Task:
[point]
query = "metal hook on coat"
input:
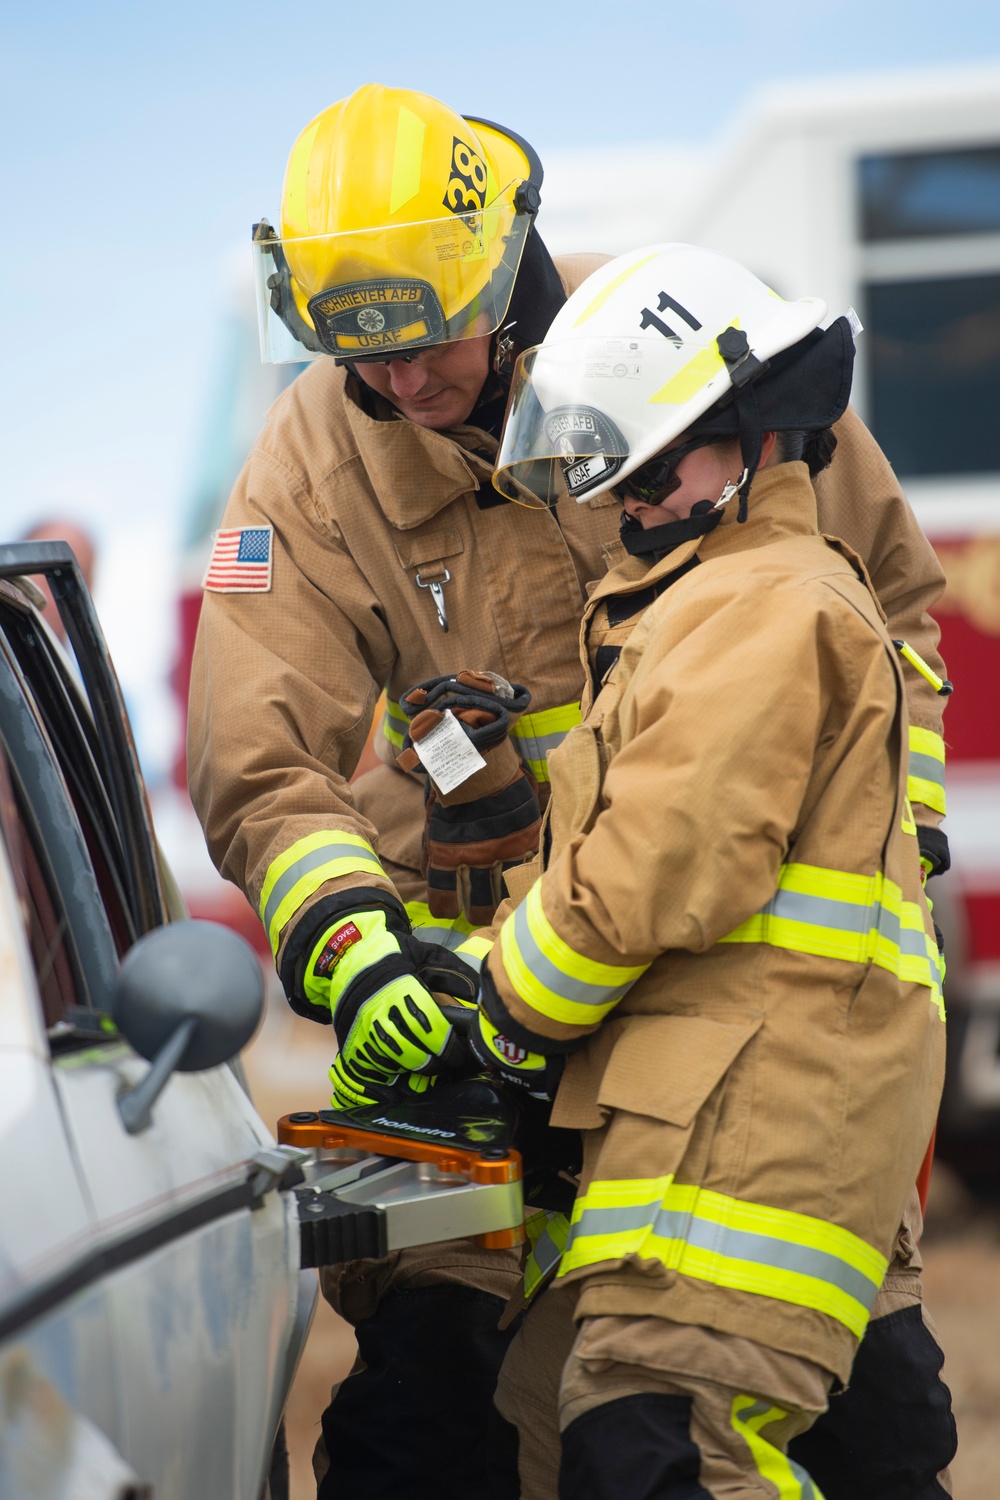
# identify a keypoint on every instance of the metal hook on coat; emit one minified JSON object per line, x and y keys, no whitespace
{"x":437,"y":594}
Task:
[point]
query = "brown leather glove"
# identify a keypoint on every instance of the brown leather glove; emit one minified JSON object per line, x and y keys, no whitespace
{"x":491,"y":821}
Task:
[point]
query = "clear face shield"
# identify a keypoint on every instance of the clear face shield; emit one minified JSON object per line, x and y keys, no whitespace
{"x":380,"y":293}
{"x":581,"y":407}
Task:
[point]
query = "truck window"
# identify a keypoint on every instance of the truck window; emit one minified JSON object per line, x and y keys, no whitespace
{"x":930,"y":192}
{"x":929,"y":252}
{"x":933,"y":349}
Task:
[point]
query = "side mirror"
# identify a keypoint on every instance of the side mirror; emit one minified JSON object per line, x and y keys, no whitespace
{"x":188,"y":996}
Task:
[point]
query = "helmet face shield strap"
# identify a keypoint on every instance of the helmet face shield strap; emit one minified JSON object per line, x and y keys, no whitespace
{"x":403,"y":226}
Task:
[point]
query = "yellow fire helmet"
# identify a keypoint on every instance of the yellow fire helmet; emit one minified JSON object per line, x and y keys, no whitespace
{"x":402,"y":226}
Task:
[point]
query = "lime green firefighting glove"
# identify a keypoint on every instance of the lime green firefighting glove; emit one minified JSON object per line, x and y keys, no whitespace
{"x":491,"y":819}
{"x":392,"y":1034}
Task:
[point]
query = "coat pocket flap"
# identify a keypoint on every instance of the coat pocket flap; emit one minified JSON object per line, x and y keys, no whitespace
{"x":666,"y":1066}
{"x":433,"y":546}
{"x":520,"y":878}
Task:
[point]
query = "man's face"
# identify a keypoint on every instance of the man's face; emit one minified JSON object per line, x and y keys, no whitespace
{"x":439,"y":387}
{"x":700,"y":475}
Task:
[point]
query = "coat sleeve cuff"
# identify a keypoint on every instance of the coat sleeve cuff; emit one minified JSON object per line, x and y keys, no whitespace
{"x":306,"y":933}
{"x":549,"y":988}
{"x":496,"y":1011}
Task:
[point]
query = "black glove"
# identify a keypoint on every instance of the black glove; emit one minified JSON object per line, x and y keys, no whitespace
{"x":539,"y":1076}
{"x":491,"y":821}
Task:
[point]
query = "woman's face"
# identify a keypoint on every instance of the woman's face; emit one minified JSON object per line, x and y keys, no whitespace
{"x":700,"y":475}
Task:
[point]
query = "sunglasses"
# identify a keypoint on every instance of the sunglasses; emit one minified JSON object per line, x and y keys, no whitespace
{"x":425,"y":356}
{"x":657,"y":478}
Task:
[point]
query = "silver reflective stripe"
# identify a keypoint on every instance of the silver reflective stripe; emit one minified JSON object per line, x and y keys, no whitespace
{"x":394,"y":719}
{"x":474,"y":960}
{"x":555,"y":979}
{"x":821,"y":911}
{"x":927,"y":768}
{"x":733,"y":1244}
{"x":312,"y":861}
{"x":847,"y":916}
{"x":537,"y":746}
{"x":450,"y":938}
{"x":914,"y":943}
{"x":546,"y":1253}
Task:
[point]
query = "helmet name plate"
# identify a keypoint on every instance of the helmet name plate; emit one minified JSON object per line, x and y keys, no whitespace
{"x":589,"y":446}
{"x":364,"y":316}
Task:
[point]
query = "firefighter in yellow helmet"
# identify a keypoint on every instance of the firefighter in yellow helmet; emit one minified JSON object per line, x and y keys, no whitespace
{"x":364,"y":549}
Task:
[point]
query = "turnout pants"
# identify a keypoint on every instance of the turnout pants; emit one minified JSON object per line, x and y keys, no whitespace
{"x":889,"y":1436}
{"x":415,"y":1416}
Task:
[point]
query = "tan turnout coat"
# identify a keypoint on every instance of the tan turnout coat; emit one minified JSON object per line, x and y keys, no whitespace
{"x":757,"y":1105}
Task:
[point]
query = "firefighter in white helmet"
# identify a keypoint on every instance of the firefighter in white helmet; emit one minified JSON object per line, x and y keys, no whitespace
{"x":364,"y":549}
{"x":728,"y":946}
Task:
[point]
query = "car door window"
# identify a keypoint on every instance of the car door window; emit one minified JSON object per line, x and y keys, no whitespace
{"x":68,"y":928}
{"x":44,"y":917}
{"x":60,"y":708}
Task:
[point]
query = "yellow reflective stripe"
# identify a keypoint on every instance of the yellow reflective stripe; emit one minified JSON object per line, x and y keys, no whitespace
{"x":748,"y":1416}
{"x":927,"y":793}
{"x":394,"y":723}
{"x":407,"y":158}
{"x":908,"y":825}
{"x":475,"y":951}
{"x":854,"y":918}
{"x":749,"y":1247}
{"x":455,"y":933}
{"x":693,"y":376}
{"x":536,"y":735}
{"x":612,"y":287}
{"x":925,"y":782}
{"x":300,"y":871}
{"x":547,"y":1234}
{"x":448,"y":931}
{"x":551,"y":977}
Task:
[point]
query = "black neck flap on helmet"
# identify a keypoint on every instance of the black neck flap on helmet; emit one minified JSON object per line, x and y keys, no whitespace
{"x":537,"y":296}
{"x":805,"y":388}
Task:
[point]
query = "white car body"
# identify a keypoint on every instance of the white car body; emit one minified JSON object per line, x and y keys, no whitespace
{"x":152,"y":1309}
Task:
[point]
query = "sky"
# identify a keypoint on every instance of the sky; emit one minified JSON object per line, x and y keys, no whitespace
{"x":139,"y":143}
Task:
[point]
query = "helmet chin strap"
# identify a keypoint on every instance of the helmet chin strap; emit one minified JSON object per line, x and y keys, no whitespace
{"x":732,"y":487}
{"x":744,"y":369}
{"x":654,"y":542}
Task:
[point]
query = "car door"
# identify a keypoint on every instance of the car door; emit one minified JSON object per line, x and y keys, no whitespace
{"x":199,"y":1289}
{"x":57,"y":1424}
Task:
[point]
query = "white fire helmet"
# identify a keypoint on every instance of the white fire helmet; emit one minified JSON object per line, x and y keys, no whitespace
{"x":631,"y":360}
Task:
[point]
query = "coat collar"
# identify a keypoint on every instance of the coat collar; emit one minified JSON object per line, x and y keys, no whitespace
{"x":782,"y":504}
{"x":401,"y":457}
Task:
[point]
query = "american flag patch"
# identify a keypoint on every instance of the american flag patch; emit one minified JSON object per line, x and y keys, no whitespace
{"x":240,"y":561}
